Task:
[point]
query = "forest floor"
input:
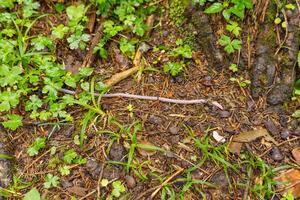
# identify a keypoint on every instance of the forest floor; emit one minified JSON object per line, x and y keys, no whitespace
{"x":62,"y":138}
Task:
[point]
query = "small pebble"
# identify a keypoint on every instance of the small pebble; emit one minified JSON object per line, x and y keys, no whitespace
{"x":207,"y":81}
{"x":93,"y":167}
{"x":289,"y":13}
{"x":230,"y":130}
{"x":285,"y":134}
{"x":293,"y":124}
{"x":130,"y":181}
{"x":224,"y":114}
{"x":297,"y":131}
{"x":151,"y":79}
{"x":181,"y":94}
{"x":117,"y":151}
{"x":69,"y":131}
{"x":197,"y":174}
{"x":174,"y":130}
{"x":165,"y":33}
{"x":271,"y":127}
{"x":190,"y":123}
{"x":283,"y":120}
{"x":220,"y":179}
{"x":174,"y":139}
{"x":179,"y":183}
{"x":250,"y":105}
{"x":66,"y":184}
{"x":177,"y":79}
{"x":276,"y":154}
{"x":155,"y":120}
{"x":105,"y":106}
{"x":144,"y":47}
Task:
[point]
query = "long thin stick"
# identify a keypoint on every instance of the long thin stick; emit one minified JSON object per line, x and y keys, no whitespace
{"x":150,"y":98}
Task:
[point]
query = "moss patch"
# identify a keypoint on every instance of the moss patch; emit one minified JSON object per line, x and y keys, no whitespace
{"x":177,"y":9}
{"x":269,"y":38}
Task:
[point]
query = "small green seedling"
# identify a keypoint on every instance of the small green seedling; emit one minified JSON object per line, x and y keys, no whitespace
{"x":182,"y":50}
{"x":127,"y":47}
{"x":51,"y":181}
{"x":236,"y":7}
{"x":78,"y":40}
{"x":36,"y":146}
{"x":234,"y":28}
{"x":230,"y":45}
{"x":64,"y":170}
{"x":59,"y":31}
{"x":76,"y":14}
{"x":233,"y":67}
{"x":30,"y":8}
{"x":290,"y":6}
{"x":297,"y":88}
{"x":59,"y":7}
{"x":71,"y":157}
{"x":13,"y":121}
{"x":296,"y":114}
{"x":243,"y":83}
{"x":173,"y":68}
{"x":284,"y":24}
{"x":41,"y":42}
{"x":118,"y":188}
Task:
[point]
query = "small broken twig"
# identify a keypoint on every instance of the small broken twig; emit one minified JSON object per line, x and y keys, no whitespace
{"x":151,"y":98}
{"x":89,"y":58}
{"x":120,"y":76}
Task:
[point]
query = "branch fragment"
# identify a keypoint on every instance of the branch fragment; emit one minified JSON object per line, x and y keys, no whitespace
{"x":152,"y":98}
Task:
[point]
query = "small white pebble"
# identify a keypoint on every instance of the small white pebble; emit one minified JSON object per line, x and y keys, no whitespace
{"x":218,"y":137}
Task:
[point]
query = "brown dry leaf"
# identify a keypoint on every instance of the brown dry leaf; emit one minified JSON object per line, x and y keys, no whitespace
{"x":237,"y":141}
{"x":296,"y":154}
{"x":79,"y":191}
{"x":235,"y":147}
{"x":291,"y":180}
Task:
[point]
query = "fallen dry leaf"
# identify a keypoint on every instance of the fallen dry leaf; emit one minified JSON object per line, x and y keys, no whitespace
{"x":79,"y":191}
{"x":291,"y":182}
{"x":235,"y":145}
{"x":296,"y":154}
